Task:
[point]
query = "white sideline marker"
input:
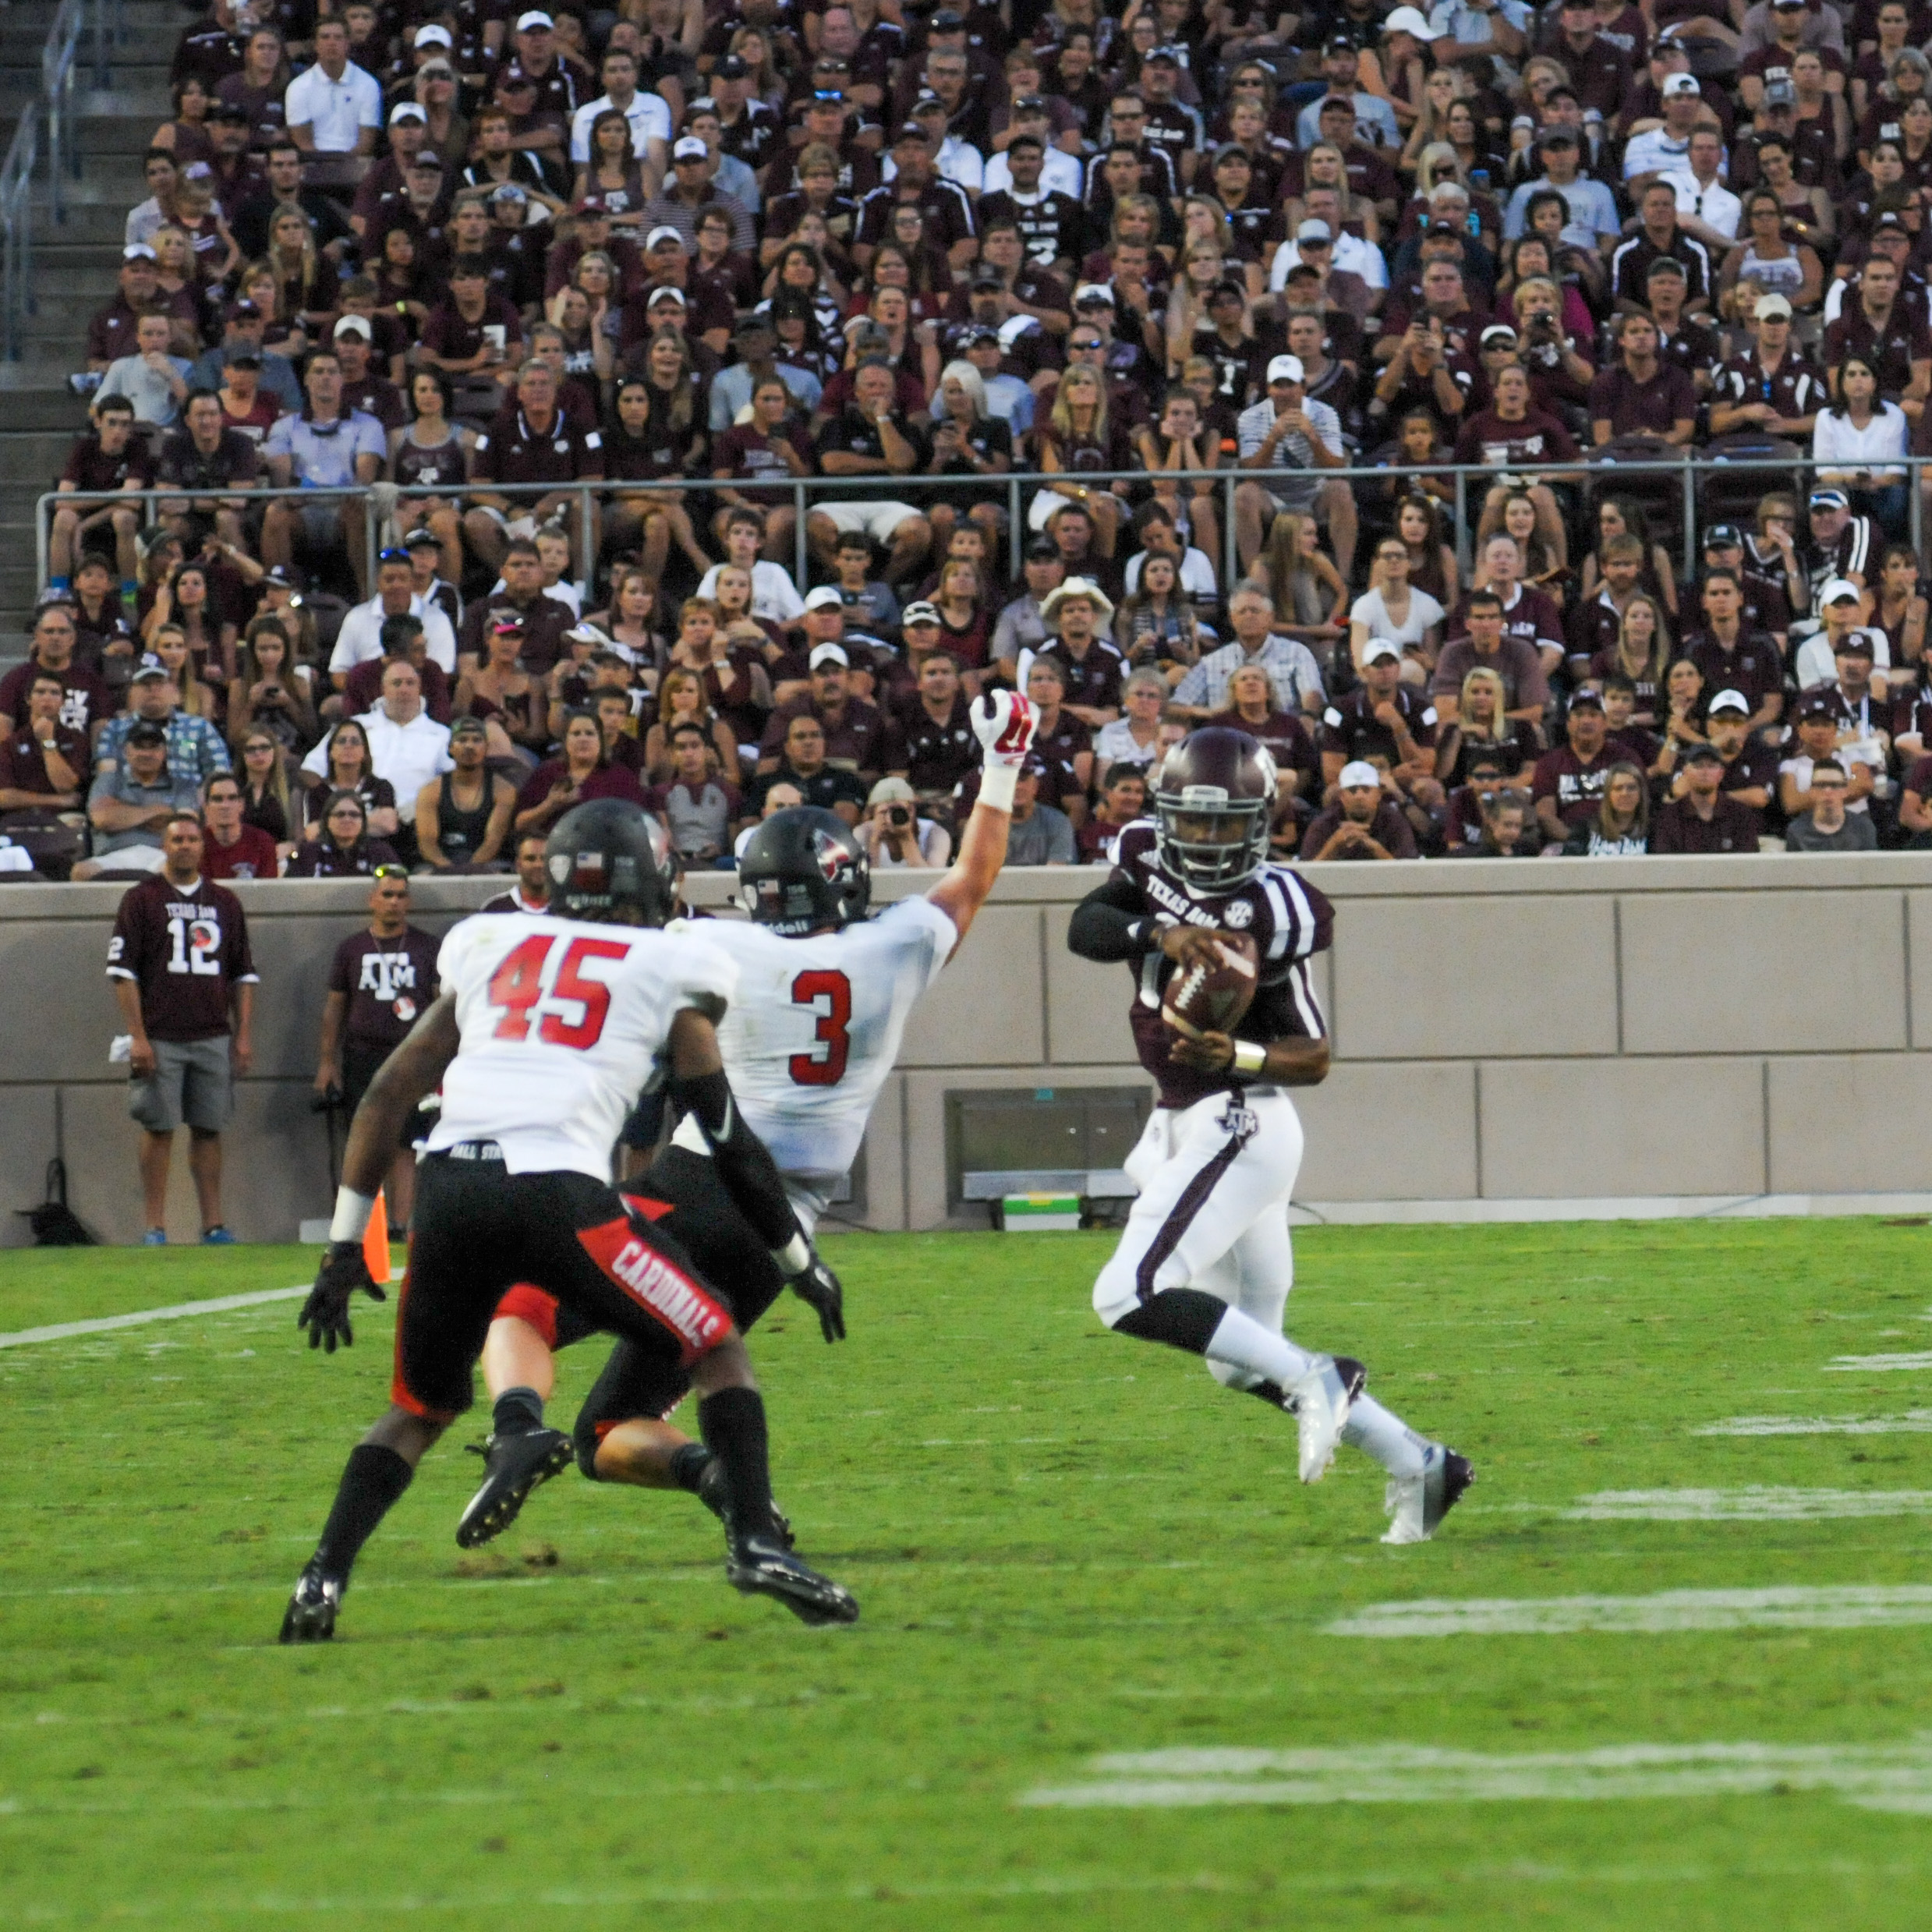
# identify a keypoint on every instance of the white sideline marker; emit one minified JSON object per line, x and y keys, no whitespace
{"x":1913,"y":1422}
{"x":1878,"y":1365}
{"x":1881,"y":1776}
{"x":221,"y":1304}
{"x":1752,"y":1505}
{"x":1784,"y":1606}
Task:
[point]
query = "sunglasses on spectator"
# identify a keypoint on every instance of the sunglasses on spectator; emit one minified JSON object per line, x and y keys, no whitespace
{"x":346,"y":811}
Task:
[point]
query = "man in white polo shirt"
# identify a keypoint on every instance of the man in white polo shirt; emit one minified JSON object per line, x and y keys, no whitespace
{"x":360,"y":637}
{"x":406,"y":746}
{"x":333,"y":109}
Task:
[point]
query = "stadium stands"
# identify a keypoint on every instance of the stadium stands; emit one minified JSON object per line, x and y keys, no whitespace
{"x":1564,"y":407}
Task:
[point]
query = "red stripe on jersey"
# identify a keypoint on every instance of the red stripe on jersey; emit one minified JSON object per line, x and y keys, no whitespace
{"x":656,"y":1284}
{"x":528,"y":1303}
{"x":400,"y":1392}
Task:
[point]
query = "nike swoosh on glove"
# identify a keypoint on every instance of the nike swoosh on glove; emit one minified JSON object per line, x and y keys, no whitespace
{"x":1004,"y":722}
{"x":817,"y":1285}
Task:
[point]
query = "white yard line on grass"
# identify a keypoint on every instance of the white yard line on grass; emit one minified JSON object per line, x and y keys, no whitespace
{"x":1747,"y":1505}
{"x":1889,"y":1776}
{"x":1913,"y":1422}
{"x":1784,"y":1606}
{"x":1878,"y":1365}
{"x":221,"y":1304}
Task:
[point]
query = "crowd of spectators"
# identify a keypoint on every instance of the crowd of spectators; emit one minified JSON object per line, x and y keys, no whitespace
{"x":722,"y":246}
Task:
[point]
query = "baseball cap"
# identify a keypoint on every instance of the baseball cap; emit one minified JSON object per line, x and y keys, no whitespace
{"x":1027,"y":103}
{"x":1684,"y":83}
{"x":1722,"y":536}
{"x":248,"y":359}
{"x":1378,"y":648}
{"x":1042,"y":549}
{"x":829,"y":653}
{"x":688,"y":147}
{"x":1314,"y":230}
{"x":428,"y":158}
{"x":407,"y":110}
{"x":1585,"y":698}
{"x":731,"y":68}
{"x":1358,"y":771}
{"x":505,"y":622}
{"x":891,"y":792}
{"x":1496,"y":332}
{"x":1853,"y":644}
{"x":422,"y":538}
{"x":1667,"y":267}
{"x":1890,"y":219}
{"x":926,"y":98}
{"x":536,"y":21}
{"x":1771,"y":307}
{"x":432,"y":36}
{"x":466,"y":726}
{"x":1409,"y":20}
{"x":138,"y":252}
{"x":228,"y":111}
{"x":922,"y":612}
{"x":147,"y":731}
{"x":664,"y":232}
{"x":354,"y":325}
{"x":825,"y":598}
{"x":1285,"y":368}
{"x":1816,"y":705}
{"x":1837,"y":589}
{"x":1093,"y":294}
{"x":985,"y":276}
{"x":1564,"y":137}
{"x":147,"y":674}
{"x":1704,"y":754}
{"x":1729,"y":701}
{"x":669,"y":292}
{"x":508,"y":191}
{"x":1828,"y":500}
{"x":1779,"y":93}
{"x":242,"y":311}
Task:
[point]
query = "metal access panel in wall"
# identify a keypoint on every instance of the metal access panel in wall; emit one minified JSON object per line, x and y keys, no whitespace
{"x":1009,"y":1140}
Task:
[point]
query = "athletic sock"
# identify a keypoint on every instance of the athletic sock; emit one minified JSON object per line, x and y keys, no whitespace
{"x":1203,"y":1324}
{"x":1374,"y":1430}
{"x":1241,"y":1341}
{"x":517,"y":1412}
{"x":732,"y":1422}
{"x":374,"y":1477}
{"x":688,"y":1462}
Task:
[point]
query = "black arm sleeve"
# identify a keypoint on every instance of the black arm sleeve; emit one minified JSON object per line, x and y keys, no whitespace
{"x":744,"y":1162}
{"x":1111,"y":923}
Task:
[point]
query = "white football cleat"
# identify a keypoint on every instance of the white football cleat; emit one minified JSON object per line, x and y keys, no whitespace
{"x":1320,"y":1402}
{"x":1416,"y":1504}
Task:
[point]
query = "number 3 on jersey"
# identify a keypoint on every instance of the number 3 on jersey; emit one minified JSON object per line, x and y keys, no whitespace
{"x":517,"y":986}
{"x":829,"y":994}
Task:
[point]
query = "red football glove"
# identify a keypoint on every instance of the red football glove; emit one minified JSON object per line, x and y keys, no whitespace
{"x":1004,"y":722}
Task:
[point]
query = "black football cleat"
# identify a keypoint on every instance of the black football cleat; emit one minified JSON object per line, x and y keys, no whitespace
{"x":517,"y":1464}
{"x":310,"y":1617}
{"x":1416,"y":1504}
{"x":715,"y":1494}
{"x":761,"y":1566}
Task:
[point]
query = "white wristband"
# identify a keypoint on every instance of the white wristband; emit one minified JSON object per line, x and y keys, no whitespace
{"x":1248,"y":1057}
{"x":351,"y":1215}
{"x":794,"y":1257}
{"x":996,"y":786}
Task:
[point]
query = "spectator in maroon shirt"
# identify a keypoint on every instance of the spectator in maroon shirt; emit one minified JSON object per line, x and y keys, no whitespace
{"x":232,"y":849}
{"x":109,"y":457}
{"x":111,"y":333}
{"x":534,"y":444}
{"x":1638,"y":396}
{"x":185,"y":982}
{"x":1733,"y":658}
{"x":1706,"y":818}
{"x":1361,"y":823}
{"x":584,"y":771}
{"x":932,"y":746}
{"x":43,"y":773}
{"x":88,"y":704}
{"x":1122,"y":799}
{"x":1878,"y":326}
{"x":1568,"y":781}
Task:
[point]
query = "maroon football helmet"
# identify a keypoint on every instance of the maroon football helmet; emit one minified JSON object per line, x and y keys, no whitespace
{"x":1212,"y":810}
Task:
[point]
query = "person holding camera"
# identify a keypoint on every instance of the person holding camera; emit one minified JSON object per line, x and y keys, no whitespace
{"x":379,"y":981}
{"x":1420,"y":376}
{"x":893,"y":834}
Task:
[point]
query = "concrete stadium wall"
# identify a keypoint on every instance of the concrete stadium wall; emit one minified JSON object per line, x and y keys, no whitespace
{"x":1650,"y":1035}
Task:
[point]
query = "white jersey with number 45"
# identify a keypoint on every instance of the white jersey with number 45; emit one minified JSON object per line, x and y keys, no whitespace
{"x":563,"y":1024}
{"x":813,"y":1031}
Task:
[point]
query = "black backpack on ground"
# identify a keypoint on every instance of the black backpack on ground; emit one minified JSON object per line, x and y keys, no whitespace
{"x":54,"y":1224}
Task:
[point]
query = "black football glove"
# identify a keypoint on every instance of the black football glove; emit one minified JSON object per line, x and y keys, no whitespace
{"x":816,"y":1283}
{"x":325,"y":1313}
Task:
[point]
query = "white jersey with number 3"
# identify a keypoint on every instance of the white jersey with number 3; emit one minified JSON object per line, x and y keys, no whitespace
{"x":815,"y":1028}
{"x":563,"y":1024}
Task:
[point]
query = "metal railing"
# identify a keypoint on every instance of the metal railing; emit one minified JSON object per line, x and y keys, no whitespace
{"x":57,"y":89}
{"x":17,"y":299}
{"x":1018,"y":487}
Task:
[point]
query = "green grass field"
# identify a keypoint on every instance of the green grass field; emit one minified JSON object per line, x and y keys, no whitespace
{"x":1067,"y":1545}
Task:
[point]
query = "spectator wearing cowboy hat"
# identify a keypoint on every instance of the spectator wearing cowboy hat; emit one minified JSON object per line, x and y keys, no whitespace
{"x":1092,"y":665}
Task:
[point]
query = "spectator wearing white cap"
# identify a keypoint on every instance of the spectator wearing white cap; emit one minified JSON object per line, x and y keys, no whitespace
{"x":1363,"y":823}
{"x":1284,"y":431}
{"x":1354,"y":273}
{"x":893,"y":834}
{"x":855,"y":736}
{"x":1841,"y":610}
{"x":333,"y":109}
{"x":1665,"y":145}
{"x":1770,"y":387}
{"x":648,"y":114}
{"x":689,"y":192}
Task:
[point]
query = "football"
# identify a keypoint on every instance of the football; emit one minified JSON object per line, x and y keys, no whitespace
{"x":1212,"y":999}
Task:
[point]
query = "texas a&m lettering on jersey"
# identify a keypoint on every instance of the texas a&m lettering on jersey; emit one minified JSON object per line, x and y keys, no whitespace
{"x":1290,"y":921}
{"x":186,"y":947}
{"x":388,"y":983}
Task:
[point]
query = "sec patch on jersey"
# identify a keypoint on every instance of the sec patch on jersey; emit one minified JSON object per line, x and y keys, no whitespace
{"x":1212,"y":999}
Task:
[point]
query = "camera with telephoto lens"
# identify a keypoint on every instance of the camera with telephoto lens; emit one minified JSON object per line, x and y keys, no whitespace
{"x":898,"y":817}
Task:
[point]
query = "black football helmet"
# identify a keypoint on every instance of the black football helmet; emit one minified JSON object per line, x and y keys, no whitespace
{"x":608,"y":854}
{"x":1212,"y":810}
{"x":802,"y":870}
